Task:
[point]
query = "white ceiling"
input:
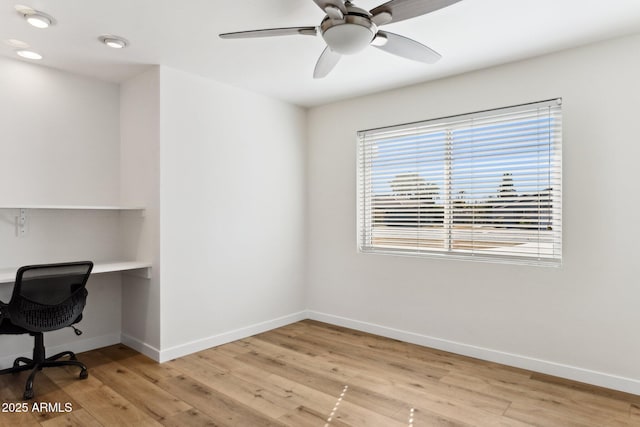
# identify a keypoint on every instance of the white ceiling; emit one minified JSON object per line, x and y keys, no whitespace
{"x":183,"y":34}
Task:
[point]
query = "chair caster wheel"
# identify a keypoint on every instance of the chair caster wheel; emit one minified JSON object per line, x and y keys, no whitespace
{"x":28,"y":394}
{"x":83,"y":374}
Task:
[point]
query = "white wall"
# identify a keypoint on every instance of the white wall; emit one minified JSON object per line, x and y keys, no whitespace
{"x":60,"y":145}
{"x":58,"y":129}
{"x":232,"y":183}
{"x":578,"y":321}
{"x":140,"y":186}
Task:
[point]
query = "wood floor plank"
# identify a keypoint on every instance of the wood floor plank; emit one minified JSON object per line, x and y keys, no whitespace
{"x":634,"y":415}
{"x":11,"y":390}
{"x":218,"y":360}
{"x":263,"y":400}
{"x":11,"y":416}
{"x":315,"y":401}
{"x":150,"y":369}
{"x":48,"y":393}
{"x":222,"y":409}
{"x":362,"y":387}
{"x":425,"y":418}
{"x":101,"y":401}
{"x":93,"y":358}
{"x":199,"y":363}
{"x":454,"y":410}
{"x":18,"y":419}
{"x":411,"y":378}
{"x":385,"y":347}
{"x":357,"y":416}
{"x":77,"y":418}
{"x":111,"y":409}
{"x":190,"y":418}
{"x":386,"y":360}
{"x":587,"y":388}
{"x":552,"y":415}
{"x":588,"y":408}
{"x":320,"y":380}
{"x":307,"y":417}
{"x":143,"y":394}
{"x":118,"y":352}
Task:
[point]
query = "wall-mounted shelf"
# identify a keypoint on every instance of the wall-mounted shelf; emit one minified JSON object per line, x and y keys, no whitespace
{"x":138,"y":268}
{"x":22,"y":218}
{"x":74,"y":207}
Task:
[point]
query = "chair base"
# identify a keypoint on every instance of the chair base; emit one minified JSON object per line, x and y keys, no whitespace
{"x":39,"y":362}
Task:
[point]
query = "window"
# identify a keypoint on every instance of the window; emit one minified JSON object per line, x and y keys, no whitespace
{"x":483,"y":186}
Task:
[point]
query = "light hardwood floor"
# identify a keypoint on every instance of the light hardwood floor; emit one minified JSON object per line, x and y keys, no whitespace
{"x":306,"y":374}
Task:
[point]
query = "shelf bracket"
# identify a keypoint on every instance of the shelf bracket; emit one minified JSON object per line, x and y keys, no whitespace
{"x":21,"y":223}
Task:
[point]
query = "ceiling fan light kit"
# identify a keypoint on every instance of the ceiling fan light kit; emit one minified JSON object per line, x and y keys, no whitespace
{"x":348,"y":29}
{"x":348,"y":36}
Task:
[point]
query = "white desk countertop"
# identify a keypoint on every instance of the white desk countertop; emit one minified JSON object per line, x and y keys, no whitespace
{"x":8,"y":275}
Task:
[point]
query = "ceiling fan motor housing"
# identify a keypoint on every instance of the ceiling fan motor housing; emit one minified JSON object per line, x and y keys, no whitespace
{"x":351,"y":34}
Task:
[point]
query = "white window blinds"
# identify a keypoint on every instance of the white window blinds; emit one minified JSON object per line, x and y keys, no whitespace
{"x":483,"y":186}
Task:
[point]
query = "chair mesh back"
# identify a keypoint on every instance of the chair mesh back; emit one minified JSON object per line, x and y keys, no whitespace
{"x":48,"y":297}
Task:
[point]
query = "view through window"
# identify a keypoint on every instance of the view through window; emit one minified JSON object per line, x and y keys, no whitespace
{"x":485,"y":186}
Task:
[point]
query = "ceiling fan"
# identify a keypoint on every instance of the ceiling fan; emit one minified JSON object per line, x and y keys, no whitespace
{"x":348,"y":29}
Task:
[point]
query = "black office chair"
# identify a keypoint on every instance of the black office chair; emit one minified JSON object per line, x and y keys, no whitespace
{"x":45,"y":297}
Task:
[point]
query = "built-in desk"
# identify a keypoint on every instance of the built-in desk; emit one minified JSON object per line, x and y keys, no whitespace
{"x":139,"y":268}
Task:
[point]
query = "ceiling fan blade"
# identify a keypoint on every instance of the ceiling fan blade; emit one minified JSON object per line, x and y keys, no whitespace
{"x":405,"y":47}
{"x":405,"y":9}
{"x":326,"y":63}
{"x":271,"y":32}
{"x":322,"y":4}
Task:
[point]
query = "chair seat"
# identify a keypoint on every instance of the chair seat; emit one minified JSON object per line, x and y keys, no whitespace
{"x":6,"y":327}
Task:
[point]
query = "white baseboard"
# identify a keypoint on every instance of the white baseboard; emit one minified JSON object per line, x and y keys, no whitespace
{"x":227,"y":337}
{"x":140,"y":346}
{"x":628,"y":385}
{"x":77,"y":346}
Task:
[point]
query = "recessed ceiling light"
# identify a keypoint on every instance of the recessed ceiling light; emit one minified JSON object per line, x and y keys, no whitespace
{"x":38,"y":21}
{"x":29,"y":54}
{"x":115,"y":42}
{"x":17,"y":43}
{"x":35,"y":17}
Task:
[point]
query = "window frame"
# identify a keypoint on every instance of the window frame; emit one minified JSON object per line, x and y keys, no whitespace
{"x":365,"y":228}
